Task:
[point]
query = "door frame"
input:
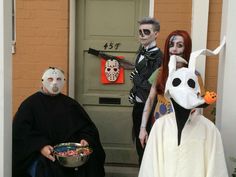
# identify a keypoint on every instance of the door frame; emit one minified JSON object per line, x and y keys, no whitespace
{"x":72,"y":40}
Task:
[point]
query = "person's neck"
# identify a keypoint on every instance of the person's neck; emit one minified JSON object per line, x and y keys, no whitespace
{"x":152,"y":44}
{"x":45,"y":92}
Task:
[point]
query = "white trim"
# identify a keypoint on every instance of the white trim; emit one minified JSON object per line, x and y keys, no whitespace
{"x":221,"y":65}
{"x":151,"y":8}
{"x":5,"y":87}
{"x":200,"y":11}
{"x":13,"y":27}
{"x":71,"y":83}
{"x":225,"y":110}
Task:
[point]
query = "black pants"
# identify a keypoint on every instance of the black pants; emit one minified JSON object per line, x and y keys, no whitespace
{"x":137,"y":120}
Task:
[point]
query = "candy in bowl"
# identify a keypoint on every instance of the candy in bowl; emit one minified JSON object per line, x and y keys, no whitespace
{"x":71,"y":154}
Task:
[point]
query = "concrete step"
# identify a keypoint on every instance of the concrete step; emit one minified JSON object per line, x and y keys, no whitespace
{"x":121,"y":171}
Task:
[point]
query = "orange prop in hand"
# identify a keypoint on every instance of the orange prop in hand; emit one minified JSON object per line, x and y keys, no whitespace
{"x":210,"y":97}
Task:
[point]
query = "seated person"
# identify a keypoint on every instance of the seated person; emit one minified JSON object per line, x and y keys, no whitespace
{"x":46,"y":119}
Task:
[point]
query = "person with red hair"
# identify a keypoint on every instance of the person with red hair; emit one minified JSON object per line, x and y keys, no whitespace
{"x":177,"y":43}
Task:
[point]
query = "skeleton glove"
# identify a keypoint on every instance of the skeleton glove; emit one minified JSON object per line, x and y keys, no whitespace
{"x":133,"y":74}
{"x":131,"y":98}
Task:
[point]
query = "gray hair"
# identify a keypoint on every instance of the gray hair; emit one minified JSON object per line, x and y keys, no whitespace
{"x":149,"y":20}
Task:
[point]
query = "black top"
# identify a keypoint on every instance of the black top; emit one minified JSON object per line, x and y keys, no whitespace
{"x":49,"y":120}
{"x":152,"y":60}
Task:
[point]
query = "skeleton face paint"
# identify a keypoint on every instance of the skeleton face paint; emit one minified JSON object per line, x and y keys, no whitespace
{"x":146,"y":34}
{"x":176,"y":45}
{"x":112,"y":70}
{"x":53,"y":80}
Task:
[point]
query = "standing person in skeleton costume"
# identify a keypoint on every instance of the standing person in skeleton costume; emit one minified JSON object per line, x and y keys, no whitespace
{"x":184,"y":143}
{"x":147,"y":61}
{"x":46,"y":119}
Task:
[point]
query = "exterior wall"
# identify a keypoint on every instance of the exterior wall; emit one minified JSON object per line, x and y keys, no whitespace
{"x":5,"y":88}
{"x":172,"y":15}
{"x":41,"y":41}
{"x":226,"y":112}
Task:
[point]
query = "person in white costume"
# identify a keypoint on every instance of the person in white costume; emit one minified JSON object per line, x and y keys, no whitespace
{"x":184,"y":143}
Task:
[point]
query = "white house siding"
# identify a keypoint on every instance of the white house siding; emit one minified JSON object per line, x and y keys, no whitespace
{"x":5,"y":88}
{"x":226,"y":109}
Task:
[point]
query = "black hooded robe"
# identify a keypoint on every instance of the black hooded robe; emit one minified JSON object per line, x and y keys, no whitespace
{"x":49,"y":120}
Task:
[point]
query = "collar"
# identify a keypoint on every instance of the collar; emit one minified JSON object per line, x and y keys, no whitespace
{"x":151,"y":46}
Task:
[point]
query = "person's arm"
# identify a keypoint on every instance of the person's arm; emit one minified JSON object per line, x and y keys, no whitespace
{"x":46,"y":151}
{"x":143,"y":135}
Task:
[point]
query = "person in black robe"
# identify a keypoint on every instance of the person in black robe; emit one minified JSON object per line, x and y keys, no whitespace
{"x":46,"y":119}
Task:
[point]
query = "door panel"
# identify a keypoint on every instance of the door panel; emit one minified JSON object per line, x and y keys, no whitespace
{"x":111,"y":22}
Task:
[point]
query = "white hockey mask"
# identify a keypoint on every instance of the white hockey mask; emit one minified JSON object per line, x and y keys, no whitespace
{"x":53,"y":80}
{"x":182,"y":84}
{"x":112,"y":70}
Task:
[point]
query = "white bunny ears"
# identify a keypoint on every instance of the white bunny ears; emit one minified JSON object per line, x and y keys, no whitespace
{"x":182,"y":84}
{"x":207,"y":52}
{"x":193,"y":57}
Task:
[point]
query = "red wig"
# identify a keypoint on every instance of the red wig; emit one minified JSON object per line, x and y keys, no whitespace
{"x":161,"y":79}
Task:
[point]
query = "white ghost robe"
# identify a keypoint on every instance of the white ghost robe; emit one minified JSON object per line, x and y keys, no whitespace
{"x":200,"y":153}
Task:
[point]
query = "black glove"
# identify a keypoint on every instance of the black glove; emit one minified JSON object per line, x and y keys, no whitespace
{"x":131,"y":98}
{"x":133,"y":74}
{"x":137,"y":80}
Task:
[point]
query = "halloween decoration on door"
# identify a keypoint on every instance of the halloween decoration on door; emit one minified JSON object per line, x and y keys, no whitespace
{"x":112,"y":67}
